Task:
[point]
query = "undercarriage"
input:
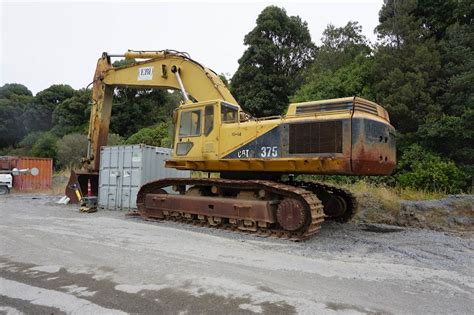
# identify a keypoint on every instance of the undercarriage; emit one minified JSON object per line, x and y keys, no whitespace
{"x":294,"y":210}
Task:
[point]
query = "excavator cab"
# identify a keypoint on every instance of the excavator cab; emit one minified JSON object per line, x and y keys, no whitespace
{"x":198,"y":129}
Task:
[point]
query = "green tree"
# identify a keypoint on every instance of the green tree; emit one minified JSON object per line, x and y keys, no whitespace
{"x":224,"y":79}
{"x":340,"y":46}
{"x":452,"y":136}
{"x":14,"y":91}
{"x":29,"y":140}
{"x":353,"y":79}
{"x":70,"y":149}
{"x":421,"y":169}
{"x":45,"y":146}
{"x":14,"y":99}
{"x":115,"y":139}
{"x":72,"y":114}
{"x":271,"y":69}
{"x":406,"y":66}
{"x":457,"y":53}
{"x":342,"y":66}
{"x":157,"y":136}
{"x":423,"y":73}
{"x":39,"y":114}
{"x":134,"y":109}
{"x":438,"y":15}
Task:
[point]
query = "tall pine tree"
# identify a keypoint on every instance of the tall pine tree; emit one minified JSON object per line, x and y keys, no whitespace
{"x":270,"y":70}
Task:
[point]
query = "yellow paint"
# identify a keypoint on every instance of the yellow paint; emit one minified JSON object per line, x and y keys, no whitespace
{"x":289,"y":165}
{"x":210,"y":146}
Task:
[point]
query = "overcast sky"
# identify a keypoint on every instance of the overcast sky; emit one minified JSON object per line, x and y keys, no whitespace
{"x":45,"y":43}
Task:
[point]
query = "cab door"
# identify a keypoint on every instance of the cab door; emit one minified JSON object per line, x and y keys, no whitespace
{"x":189,"y":136}
{"x":210,"y":147}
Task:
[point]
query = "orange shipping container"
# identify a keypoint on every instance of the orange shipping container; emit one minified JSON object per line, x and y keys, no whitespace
{"x":42,"y":181}
{"x":7,"y":163}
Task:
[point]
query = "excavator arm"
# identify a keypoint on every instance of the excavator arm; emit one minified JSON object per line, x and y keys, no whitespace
{"x":154,"y":69}
{"x":159,"y":69}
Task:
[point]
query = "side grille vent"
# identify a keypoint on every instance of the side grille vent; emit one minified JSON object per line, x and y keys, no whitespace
{"x":315,"y":108}
{"x":316,"y":137}
{"x":318,"y":108}
{"x":368,"y":108}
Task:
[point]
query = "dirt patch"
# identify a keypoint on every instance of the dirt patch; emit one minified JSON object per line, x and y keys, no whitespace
{"x":380,"y":206}
{"x":455,"y":213}
{"x":59,"y":183}
{"x":104,"y":292}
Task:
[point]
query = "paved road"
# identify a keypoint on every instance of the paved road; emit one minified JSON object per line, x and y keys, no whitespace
{"x":54,"y":259}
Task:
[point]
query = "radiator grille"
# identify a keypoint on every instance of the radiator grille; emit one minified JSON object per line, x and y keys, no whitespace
{"x":316,"y":137}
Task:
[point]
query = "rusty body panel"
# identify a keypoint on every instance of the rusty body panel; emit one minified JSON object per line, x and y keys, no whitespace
{"x":25,"y":182}
{"x":259,"y":210}
{"x":373,"y":147}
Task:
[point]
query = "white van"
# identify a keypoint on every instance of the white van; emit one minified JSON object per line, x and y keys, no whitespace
{"x":6,"y":181}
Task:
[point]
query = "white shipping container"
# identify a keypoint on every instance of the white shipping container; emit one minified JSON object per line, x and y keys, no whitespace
{"x":125,"y":168}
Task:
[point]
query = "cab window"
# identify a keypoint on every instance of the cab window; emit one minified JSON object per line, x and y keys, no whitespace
{"x":229,"y":113}
{"x":190,"y":123}
{"x":208,"y":119}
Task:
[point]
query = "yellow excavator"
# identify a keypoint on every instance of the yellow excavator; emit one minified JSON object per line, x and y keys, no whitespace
{"x":257,"y":158}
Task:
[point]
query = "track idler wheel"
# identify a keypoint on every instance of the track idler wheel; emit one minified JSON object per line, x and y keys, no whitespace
{"x":335,"y":207}
{"x":291,"y":214}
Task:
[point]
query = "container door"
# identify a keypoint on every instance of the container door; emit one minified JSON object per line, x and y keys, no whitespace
{"x":114,"y":190}
{"x":114,"y":177}
{"x":133,"y":160}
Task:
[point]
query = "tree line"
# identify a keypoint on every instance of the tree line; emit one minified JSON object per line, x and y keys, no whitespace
{"x":420,"y":69}
{"x":54,"y":122}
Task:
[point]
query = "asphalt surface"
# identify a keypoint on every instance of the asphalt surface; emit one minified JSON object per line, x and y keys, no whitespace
{"x":55,"y":260}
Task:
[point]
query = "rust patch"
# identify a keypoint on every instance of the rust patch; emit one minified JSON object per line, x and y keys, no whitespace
{"x":291,"y":214}
{"x":212,"y":206}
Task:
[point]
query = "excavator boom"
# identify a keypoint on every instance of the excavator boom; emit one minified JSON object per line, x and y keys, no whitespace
{"x":159,"y":71}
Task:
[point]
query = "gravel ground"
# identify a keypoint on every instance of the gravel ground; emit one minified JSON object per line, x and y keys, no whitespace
{"x":54,"y":259}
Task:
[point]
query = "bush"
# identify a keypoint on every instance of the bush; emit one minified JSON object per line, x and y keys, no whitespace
{"x":156,"y":136}
{"x":115,"y":139}
{"x":45,"y":146}
{"x":70,"y":150}
{"x":424,"y":170}
{"x":30,"y":140}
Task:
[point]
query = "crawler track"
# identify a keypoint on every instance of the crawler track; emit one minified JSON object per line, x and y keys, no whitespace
{"x":312,"y":205}
{"x":317,"y":188}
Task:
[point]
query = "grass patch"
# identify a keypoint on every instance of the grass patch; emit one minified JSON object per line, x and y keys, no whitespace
{"x":378,"y":203}
{"x":60,"y":180}
{"x":412,"y":194}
